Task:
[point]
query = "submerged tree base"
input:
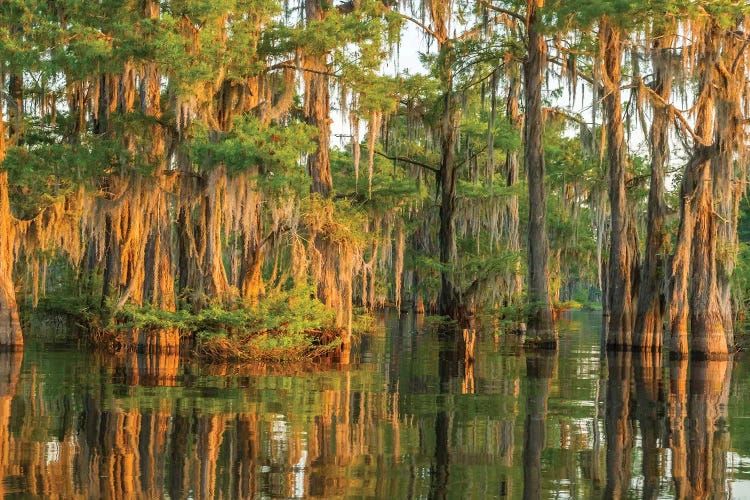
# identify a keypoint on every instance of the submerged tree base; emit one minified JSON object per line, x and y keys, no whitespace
{"x":283,"y":326}
{"x":267,"y":347}
{"x":541,"y":339}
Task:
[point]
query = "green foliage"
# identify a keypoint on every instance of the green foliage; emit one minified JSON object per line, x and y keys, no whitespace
{"x":281,"y":313}
{"x":272,"y":150}
{"x":741,"y":287}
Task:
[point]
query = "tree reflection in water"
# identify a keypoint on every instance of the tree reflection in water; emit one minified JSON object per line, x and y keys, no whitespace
{"x":708,"y":434}
{"x":10,"y":368}
{"x":649,"y":404}
{"x":424,"y":416}
{"x":618,"y":424}
{"x":540,"y":367}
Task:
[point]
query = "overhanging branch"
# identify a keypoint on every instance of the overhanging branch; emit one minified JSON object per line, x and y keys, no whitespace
{"x":408,"y":160}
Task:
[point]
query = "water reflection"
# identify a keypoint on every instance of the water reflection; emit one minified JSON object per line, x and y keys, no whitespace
{"x":649,"y":402}
{"x":418,"y":416}
{"x":708,"y":435}
{"x":540,"y":367}
{"x":10,"y":368}
{"x":619,"y":425}
{"x":678,"y":370}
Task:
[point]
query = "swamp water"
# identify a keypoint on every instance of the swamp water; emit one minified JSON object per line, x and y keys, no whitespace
{"x":414,"y":417}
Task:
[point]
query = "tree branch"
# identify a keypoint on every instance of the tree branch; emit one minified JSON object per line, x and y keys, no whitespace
{"x":476,"y":29}
{"x":426,"y":28}
{"x":288,"y":65}
{"x":514,"y":15}
{"x":565,"y":114}
{"x":408,"y":160}
{"x":580,"y":74}
{"x":676,"y":113}
{"x":466,"y":160}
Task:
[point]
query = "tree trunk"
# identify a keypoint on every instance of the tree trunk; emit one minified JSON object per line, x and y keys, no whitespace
{"x":449,"y":301}
{"x":540,"y":322}
{"x":649,"y":323}
{"x":215,"y":283}
{"x":623,"y":255}
{"x":15,"y":105}
{"x":512,"y":169}
{"x":708,"y":338}
{"x":706,"y":320}
{"x":159,"y":273}
{"x":679,"y":306}
{"x":317,"y":108}
{"x":10,"y":324}
{"x":728,"y":189}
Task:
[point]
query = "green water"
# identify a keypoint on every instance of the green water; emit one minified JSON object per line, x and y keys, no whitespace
{"x":413,"y":416}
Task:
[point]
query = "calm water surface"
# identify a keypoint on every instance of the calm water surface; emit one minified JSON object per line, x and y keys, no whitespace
{"x":416,"y":416}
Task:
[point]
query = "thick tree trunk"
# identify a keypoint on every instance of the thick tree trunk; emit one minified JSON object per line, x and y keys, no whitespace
{"x":730,"y":137}
{"x":708,"y":337}
{"x":334,"y":266}
{"x":679,"y":306}
{"x":159,"y":273}
{"x":696,"y":285}
{"x":214,"y":281}
{"x":250,"y":226}
{"x":10,"y":325}
{"x":252,"y":286}
{"x":317,"y":108}
{"x":727,"y":191}
{"x":118,"y":265}
{"x":449,"y":301}
{"x":540,"y":322}
{"x":623,"y":255}
{"x":111,"y":257}
{"x":649,"y":323}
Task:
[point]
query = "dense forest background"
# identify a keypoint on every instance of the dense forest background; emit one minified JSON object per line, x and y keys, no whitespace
{"x":169,"y":167}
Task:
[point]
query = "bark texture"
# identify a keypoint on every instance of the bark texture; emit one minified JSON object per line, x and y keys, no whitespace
{"x":649,"y":324}
{"x":512,"y":170}
{"x":317,"y":107}
{"x":449,"y":301}
{"x":540,"y":321}
{"x":708,"y":336}
{"x":623,"y":256}
{"x":10,"y":325}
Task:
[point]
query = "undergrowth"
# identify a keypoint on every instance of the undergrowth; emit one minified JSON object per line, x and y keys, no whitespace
{"x":284,"y":325}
